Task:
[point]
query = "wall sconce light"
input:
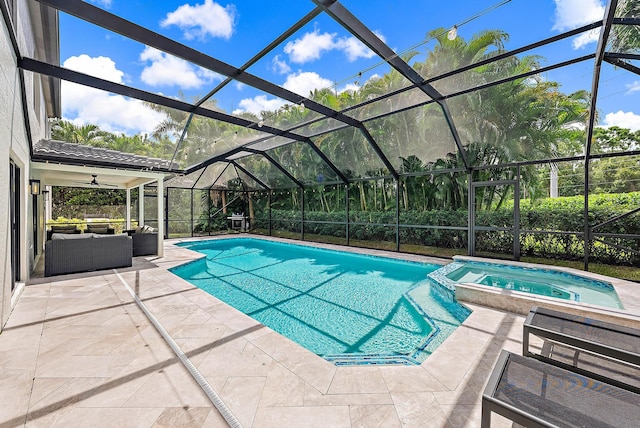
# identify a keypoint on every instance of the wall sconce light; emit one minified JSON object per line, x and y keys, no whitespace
{"x":34,"y":186}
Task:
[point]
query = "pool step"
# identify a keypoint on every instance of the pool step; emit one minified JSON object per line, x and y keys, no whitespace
{"x":373,"y":359}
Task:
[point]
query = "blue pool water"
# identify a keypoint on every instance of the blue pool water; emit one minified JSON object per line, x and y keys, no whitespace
{"x":544,"y":282}
{"x":345,"y":307}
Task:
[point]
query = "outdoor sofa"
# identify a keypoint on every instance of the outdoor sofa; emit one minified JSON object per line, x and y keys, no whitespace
{"x":69,"y":253}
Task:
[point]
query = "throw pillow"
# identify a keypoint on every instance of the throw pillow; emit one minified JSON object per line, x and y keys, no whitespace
{"x":97,"y":229}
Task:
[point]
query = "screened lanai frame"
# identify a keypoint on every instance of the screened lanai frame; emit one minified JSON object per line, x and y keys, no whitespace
{"x":260,"y":138}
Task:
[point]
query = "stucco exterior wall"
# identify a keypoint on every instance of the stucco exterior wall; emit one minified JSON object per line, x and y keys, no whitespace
{"x":14,"y":146}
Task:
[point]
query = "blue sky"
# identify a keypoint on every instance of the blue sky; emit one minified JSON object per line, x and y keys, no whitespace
{"x":321,"y":54}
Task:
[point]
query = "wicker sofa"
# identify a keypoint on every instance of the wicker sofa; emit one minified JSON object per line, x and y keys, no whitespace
{"x":69,"y":253}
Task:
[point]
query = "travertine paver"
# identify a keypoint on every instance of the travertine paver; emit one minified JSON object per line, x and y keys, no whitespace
{"x":77,"y":351}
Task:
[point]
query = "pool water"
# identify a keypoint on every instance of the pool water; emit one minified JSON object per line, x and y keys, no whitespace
{"x":544,"y":282}
{"x":345,"y":307}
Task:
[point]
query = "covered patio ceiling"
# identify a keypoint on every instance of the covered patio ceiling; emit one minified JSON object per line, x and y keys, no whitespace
{"x":83,"y":176}
{"x":254,"y":148}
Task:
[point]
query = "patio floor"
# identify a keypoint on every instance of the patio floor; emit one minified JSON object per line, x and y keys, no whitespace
{"x":78,"y":351}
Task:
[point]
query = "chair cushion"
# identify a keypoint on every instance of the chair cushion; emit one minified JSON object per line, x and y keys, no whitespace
{"x":56,"y":228}
{"x":97,"y":229}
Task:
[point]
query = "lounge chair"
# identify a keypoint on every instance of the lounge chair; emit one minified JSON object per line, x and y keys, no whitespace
{"x":534,"y":393}
{"x":599,"y":349}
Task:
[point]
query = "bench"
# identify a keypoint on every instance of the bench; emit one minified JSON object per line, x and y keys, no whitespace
{"x":534,"y":393}
{"x":599,"y":349}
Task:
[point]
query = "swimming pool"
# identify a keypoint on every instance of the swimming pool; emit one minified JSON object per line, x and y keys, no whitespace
{"x":347,"y":308}
{"x":539,"y":281}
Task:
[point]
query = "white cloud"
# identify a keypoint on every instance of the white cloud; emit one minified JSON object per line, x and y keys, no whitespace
{"x":633,"y":87}
{"x":352,"y":87}
{"x":312,"y":45}
{"x":168,"y":70}
{"x":102,"y":67}
{"x":202,"y":20}
{"x":279,"y":66}
{"x":303,"y":82}
{"x":571,"y":14}
{"x":240,"y":86}
{"x":258,"y":104}
{"x":585,"y":38}
{"x":623,"y":120}
{"x":114,"y":113}
{"x":309,"y":47}
{"x":105,"y":3}
{"x":354,"y":49}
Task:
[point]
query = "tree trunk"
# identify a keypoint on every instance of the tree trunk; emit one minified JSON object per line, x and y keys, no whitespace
{"x":224,"y":202}
{"x":363,"y":200}
{"x":251,"y":211}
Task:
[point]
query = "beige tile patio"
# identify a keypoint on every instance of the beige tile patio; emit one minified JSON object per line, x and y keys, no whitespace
{"x":308,"y":417}
{"x":242,"y":396}
{"x":419,"y":410}
{"x":282,"y":388}
{"x":407,"y":379}
{"x":374,"y":416}
{"x":313,"y":397}
{"x":358,"y":380}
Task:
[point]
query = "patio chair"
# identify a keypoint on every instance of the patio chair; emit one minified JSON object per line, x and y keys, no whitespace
{"x":145,"y":241}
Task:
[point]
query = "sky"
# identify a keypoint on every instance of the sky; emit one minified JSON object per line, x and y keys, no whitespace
{"x":321,"y":54}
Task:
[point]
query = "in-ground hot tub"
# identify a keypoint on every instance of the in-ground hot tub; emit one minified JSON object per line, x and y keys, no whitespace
{"x":537,"y":281}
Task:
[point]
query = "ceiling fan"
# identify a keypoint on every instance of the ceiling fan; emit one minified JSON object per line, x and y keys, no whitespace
{"x":94,"y":182}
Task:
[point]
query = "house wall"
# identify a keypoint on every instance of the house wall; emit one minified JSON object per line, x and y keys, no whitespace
{"x":14,"y":144}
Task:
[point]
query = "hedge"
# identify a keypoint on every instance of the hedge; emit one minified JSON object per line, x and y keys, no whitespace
{"x":555,"y":227}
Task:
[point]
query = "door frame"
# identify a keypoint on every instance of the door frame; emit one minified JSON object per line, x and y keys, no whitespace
{"x":14,"y":221}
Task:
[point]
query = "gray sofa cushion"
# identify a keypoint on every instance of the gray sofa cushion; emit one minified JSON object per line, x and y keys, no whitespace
{"x":71,"y":236}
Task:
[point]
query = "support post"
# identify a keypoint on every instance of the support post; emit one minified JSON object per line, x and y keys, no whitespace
{"x":141,"y":205}
{"x":471,"y":243}
{"x":160,"y":196}
{"x":516,"y":217}
{"x":346,"y":195}
{"x":270,"y":192}
{"x":302,"y":213}
{"x":398,"y":184}
{"x":128,"y":210}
